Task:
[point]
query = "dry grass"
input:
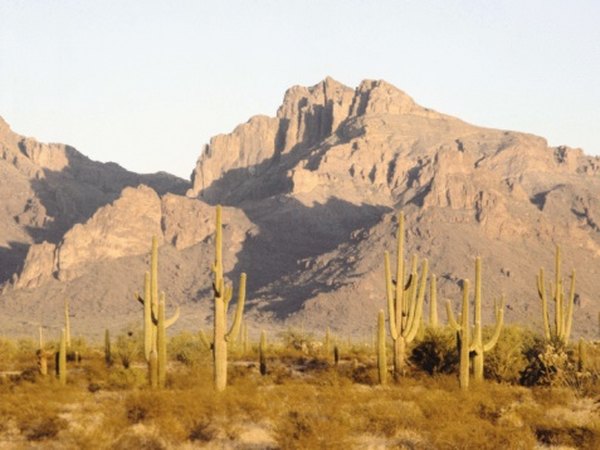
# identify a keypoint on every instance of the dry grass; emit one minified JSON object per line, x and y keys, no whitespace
{"x":303,"y":402}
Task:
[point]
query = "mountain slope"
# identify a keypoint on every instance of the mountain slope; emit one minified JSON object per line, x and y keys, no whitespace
{"x":312,"y":197}
{"x":45,"y":189}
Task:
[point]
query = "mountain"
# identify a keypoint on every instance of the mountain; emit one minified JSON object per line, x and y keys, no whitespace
{"x":311,"y":200}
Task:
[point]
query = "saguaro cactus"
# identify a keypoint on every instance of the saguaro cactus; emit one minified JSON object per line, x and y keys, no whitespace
{"x":61,"y":367}
{"x":67,"y":325}
{"x":563,"y":313}
{"x":433,"y":309}
{"x":42,"y":355}
{"x":327,"y":344}
{"x":107,"y":350}
{"x":404,"y":299}
{"x":474,"y":345}
{"x":381,"y":349}
{"x":222,"y":297}
{"x":161,"y":337}
{"x":155,"y":324}
{"x":262,"y":353}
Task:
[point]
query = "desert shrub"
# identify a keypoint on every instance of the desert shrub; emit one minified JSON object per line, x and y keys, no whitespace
{"x":188,"y":349}
{"x":127,"y":348}
{"x":507,"y":360}
{"x":437,"y":352}
{"x":202,"y":431}
{"x":548,"y":364}
{"x":8,"y":352}
{"x":141,"y":406}
{"x":37,"y":428}
{"x":142,"y":440}
{"x":311,"y":429}
{"x":121,"y":378}
{"x":301,"y":342}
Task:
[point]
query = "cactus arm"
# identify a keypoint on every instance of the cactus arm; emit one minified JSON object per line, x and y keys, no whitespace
{"x":410,"y":296}
{"x":239,"y":310}
{"x":161,"y":342}
{"x":227,"y":295}
{"x":464,"y":339}
{"x":173,"y":319}
{"x":451,"y":319}
{"x":558,"y":294}
{"x":569,"y":318}
{"x":390,"y":296}
{"x":433,"y":312}
{"x":138,"y":297}
{"x":400,"y":303}
{"x":218,"y":264}
{"x":543,"y":298}
{"x":418,"y":310}
{"x":67,"y":325}
{"x":498,"y":329}
{"x":477,"y":334}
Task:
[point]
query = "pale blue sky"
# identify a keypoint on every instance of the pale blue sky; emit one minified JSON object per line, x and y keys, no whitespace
{"x":147,"y":83}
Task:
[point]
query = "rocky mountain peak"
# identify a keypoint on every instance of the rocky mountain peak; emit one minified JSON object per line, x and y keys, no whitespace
{"x":307,"y":117}
{"x":312,"y":196}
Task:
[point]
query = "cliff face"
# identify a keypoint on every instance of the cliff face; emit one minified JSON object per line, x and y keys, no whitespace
{"x":346,"y":159}
{"x":311,"y":195}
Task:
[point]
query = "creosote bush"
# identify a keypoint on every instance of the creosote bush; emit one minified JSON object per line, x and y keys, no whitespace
{"x":437,"y":352}
{"x":304,"y":402}
{"x":507,"y":360}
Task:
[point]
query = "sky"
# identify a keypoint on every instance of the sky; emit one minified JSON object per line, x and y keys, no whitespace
{"x":147,"y":83}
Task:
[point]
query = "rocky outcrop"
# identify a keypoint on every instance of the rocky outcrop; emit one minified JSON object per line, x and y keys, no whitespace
{"x":311,"y":199}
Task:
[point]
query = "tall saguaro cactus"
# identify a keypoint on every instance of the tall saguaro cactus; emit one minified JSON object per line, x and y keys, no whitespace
{"x":563,"y":313}
{"x":404,"y":299}
{"x":162,"y":324}
{"x":155,"y":323}
{"x":474,"y":344}
{"x":61,"y":366}
{"x":222,"y":297}
{"x":433,"y":310}
{"x":67,"y":325}
{"x":381,"y":349}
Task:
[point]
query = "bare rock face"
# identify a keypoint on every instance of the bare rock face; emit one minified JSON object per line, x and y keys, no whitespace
{"x":45,"y":189}
{"x":311,"y":198}
{"x":188,"y":221}
{"x":38,"y":267}
{"x":470,"y":190}
{"x":123,"y":228}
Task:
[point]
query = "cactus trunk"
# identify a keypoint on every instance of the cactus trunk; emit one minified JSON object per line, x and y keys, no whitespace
{"x":464,"y":339}
{"x":433,"y":309}
{"x":219,"y":345}
{"x":222,"y":297}
{"x":67,"y":325}
{"x":404,"y":300}
{"x":474,"y":344}
{"x":107,"y":350}
{"x":381,"y":349}
{"x":153,"y":369}
{"x":262,"y":353}
{"x":563,"y":313}
{"x":161,"y":343}
{"x":62,"y":358}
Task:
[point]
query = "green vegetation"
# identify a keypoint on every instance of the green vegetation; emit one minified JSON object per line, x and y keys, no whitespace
{"x":302,"y":401}
{"x":533,"y":391}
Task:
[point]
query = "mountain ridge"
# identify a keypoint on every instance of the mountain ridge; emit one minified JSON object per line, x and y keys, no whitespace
{"x":312,"y":194}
